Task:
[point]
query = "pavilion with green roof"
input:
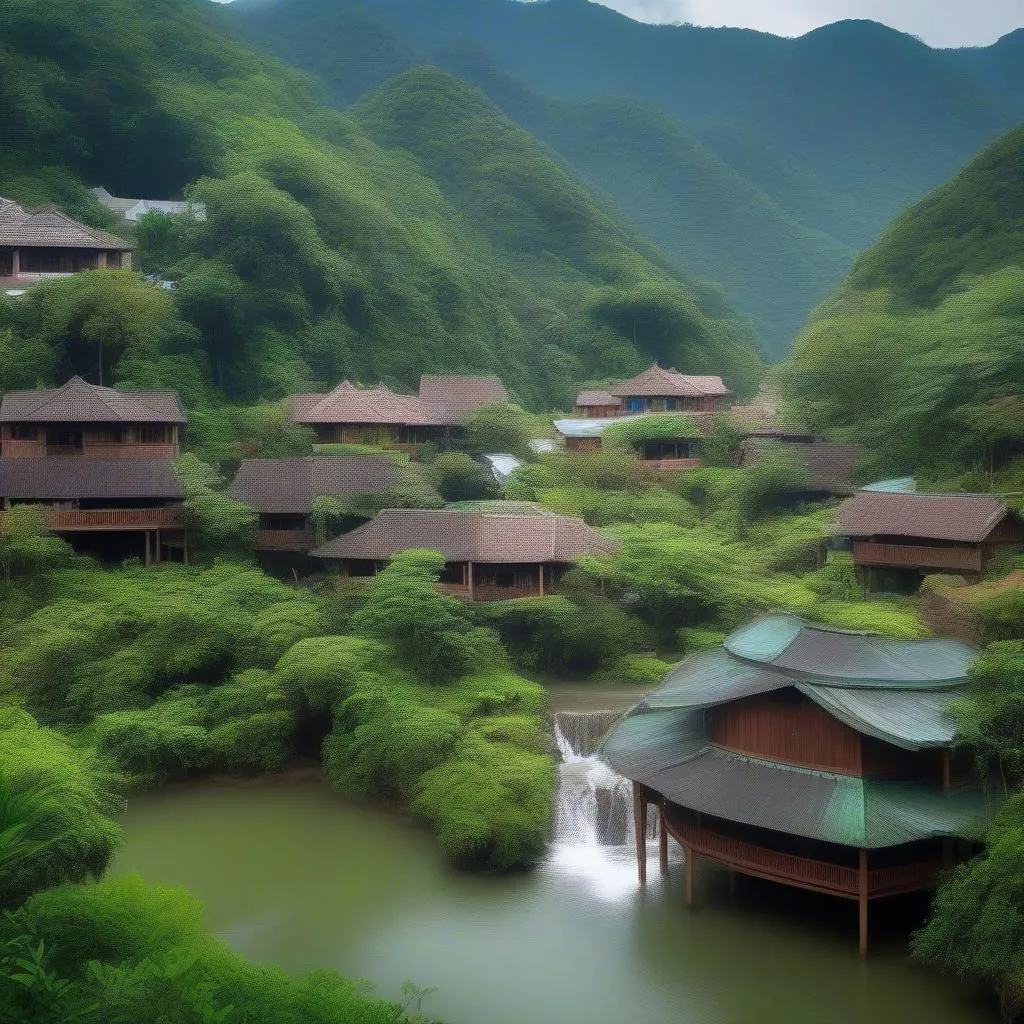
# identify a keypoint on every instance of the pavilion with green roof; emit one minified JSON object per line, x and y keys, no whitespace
{"x":811,"y":756}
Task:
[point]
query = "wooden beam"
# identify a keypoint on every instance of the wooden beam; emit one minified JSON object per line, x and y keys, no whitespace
{"x":148,"y":555}
{"x":862,"y":902}
{"x":540,"y":571}
{"x":640,"y":827}
{"x":689,"y":858}
{"x":15,"y":263}
{"x":469,"y":567}
{"x":662,"y":840}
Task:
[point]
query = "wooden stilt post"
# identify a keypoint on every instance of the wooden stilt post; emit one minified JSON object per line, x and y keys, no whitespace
{"x":156,"y":557}
{"x":148,"y":555}
{"x":640,"y":827}
{"x":469,"y":570}
{"x":688,"y":864}
{"x":540,"y":573}
{"x":662,"y":840}
{"x":862,"y":901}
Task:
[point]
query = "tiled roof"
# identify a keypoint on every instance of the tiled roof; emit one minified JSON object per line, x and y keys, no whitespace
{"x":290,"y":485}
{"x":829,"y":466}
{"x":48,"y":227}
{"x":591,"y":398}
{"x":64,"y":478}
{"x":442,"y":401}
{"x":77,"y":401}
{"x":461,"y":395}
{"x":657,"y":381}
{"x":470,"y":537}
{"x":350,"y":404}
{"x":969,"y":518}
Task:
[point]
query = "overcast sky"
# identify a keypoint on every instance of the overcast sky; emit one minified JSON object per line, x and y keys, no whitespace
{"x":937,"y":22}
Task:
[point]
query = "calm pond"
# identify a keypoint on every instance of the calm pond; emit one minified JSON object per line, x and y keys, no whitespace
{"x":291,"y":874}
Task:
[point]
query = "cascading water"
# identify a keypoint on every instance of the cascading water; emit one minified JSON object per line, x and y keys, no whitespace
{"x":593,"y":830}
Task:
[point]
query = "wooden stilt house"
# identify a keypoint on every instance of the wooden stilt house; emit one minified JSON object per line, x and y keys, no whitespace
{"x":808,"y":756}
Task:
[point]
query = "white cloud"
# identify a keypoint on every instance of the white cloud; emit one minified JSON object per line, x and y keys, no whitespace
{"x":937,"y":22}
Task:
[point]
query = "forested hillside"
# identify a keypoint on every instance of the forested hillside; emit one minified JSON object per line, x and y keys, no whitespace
{"x":919,"y":354}
{"x":326,"y":254}
{"x":762,"y":163}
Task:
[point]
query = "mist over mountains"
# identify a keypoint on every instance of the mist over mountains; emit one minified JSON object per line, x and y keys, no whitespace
{"x":759,"y":163}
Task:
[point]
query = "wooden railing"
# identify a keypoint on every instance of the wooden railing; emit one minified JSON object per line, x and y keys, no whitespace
{"x":805,"y":872}
{"x":17,"y":449}
{"x":758,"y":860}
{"x":905,"y":878}
{"x":487,"y":592}
{"x":94,"y":450}
{"x":61,"y":520}
{"x":284,"y":540}
{"x":672,"y":463}
{"x":917,"y":556}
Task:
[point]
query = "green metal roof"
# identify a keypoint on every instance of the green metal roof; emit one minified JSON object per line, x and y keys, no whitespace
{"x":713,"y":677}
{"x":825,"y":655}
{"x":912,"y":719}
{"x":833,"y":808}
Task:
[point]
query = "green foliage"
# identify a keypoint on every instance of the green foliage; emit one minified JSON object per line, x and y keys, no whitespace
{"x":563,"y":634}
{"x":219,"y":523}
{"x":125,"y":953}
{"x":55,"y":803}
{"x":456,"y":476}
{"x":490,"y":804}
{"x":836,"y":580}
{"x":774,"y":481}
{"x":26,"y":547}
{"x":976,"y":928}
{"x":635,"y":669}
{"x":1001,"y":616}
{"x":431,"y":633}
{"x":669,"y":427}
{"x":498,"y":428}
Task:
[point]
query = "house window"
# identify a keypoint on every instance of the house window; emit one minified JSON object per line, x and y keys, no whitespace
{"x":64,"y":438}
{"x":453,"y":572}
{"x":636,"y":404}
{"x":670,"y":404}
{"x":110,"y":435}
{"x":152,"y":435}
{"x":23,"y":432}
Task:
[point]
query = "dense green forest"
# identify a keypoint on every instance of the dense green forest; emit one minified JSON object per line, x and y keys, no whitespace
{"x":328,"y":251}
{"x":722,"y":144}
{"x":918,"y":354}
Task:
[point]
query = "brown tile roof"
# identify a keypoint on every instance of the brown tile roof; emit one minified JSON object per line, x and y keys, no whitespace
{"x":64,"y":478}
{"x":48,"y":227}
{"x":657,"y":381}
{"x":80,"y":402}
{"x":969,"y":518}
{"x":350,"y":404}
{"x":461,"y":394}
{"x":470,"y":536}
{"x":829,"y":466}
{"x":589,"y":398}
{"x":290,"y":485}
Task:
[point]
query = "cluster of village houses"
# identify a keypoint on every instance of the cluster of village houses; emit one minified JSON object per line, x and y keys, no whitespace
{"x":818,"y":758}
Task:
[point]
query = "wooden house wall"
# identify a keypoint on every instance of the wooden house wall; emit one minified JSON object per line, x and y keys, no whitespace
{"x":794,"y":733}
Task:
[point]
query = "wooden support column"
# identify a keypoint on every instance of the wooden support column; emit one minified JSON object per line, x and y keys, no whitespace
{"x":862,"y":902}
{"x":540,"y":573}
{"x":662,"y":840}
{"x":15,"y":263}
{"x":640,"y":827}
{"x":688,"y":864}
{"x":149,"y":557}
{"x":469,"y":570}
{"x":157,"y":553}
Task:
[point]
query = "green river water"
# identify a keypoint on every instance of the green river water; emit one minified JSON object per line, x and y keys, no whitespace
{"x":292,"y":874}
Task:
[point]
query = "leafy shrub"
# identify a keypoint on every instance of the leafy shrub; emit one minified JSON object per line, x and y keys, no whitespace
{"x":498,"y":428}
{"x":836,"y":580}
{"x":458,"y":477}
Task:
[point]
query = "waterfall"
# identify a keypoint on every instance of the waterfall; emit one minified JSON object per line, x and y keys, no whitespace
{"x":594,"y":805}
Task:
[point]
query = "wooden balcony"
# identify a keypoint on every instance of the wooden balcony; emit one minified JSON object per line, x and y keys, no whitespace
{"x":284,"y":540}
{"x":802,"y":872}
{"x":676,"y":464}
{"x":918,"y":556}
{"x":487,"y":592}
{"x":71,"y":520}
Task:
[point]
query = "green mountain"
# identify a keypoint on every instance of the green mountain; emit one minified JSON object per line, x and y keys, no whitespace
{"x":919,"y":354}
{"x":757,"y":162}
{"x":422,"y":232}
